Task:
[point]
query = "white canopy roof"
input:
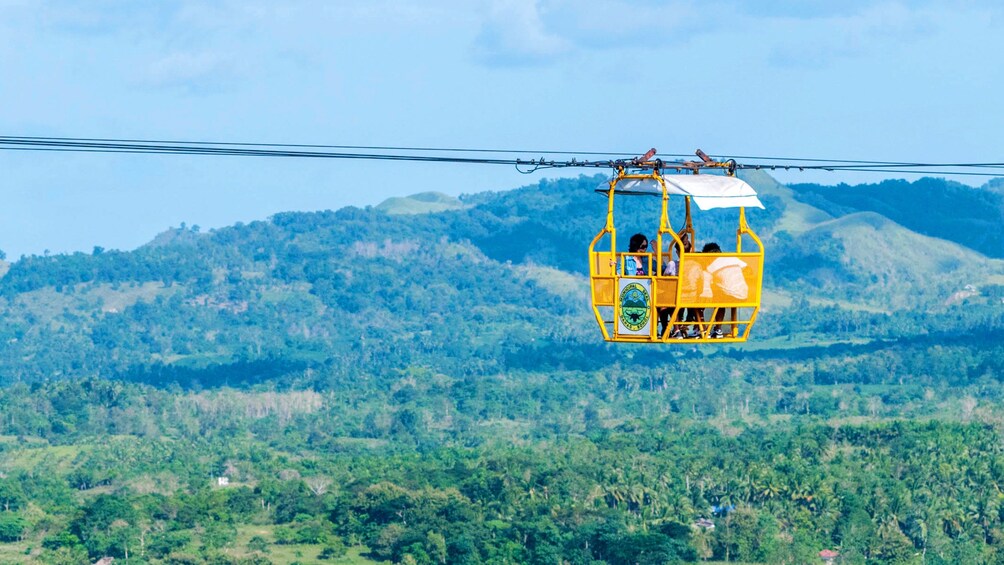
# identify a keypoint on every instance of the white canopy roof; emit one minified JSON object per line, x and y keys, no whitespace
{"x":708,"y":191}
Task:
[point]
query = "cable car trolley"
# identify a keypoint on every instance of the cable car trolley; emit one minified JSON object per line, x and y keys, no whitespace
{"x":670,"y":292}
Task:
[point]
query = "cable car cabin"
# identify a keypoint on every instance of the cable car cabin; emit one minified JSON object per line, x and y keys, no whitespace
{"x":707,"y":297}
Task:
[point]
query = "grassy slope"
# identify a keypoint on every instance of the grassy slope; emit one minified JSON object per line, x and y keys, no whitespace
{"x":797,"y":217}
{"x":47,"y":303}
{"x":422,"y":203}
{"x":934,"y":207}
{"x":904,"y":267}
{"x":28,"y":551}
{"x":303,"y":553}
{"x":895,"y":267}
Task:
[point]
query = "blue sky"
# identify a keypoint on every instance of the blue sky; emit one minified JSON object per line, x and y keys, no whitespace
{"x":915,"y":81}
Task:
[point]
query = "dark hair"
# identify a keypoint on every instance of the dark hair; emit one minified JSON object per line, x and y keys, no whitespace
{"x":636,"y":244}
{"x":711,"y":247}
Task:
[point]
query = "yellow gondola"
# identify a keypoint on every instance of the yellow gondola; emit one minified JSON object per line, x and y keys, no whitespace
{"x":723,"y":288}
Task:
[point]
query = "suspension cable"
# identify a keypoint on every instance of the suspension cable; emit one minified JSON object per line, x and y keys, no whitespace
{"x":492,"y":156}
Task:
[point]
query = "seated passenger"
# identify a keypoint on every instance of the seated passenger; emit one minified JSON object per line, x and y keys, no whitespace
{"x":726,"y":278}
{"x":693,"y":281}
{"x":635,"y":266}
{"x":672,"y":269}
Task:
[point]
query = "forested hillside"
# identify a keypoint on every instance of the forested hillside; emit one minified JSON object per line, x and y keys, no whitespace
{"x":498,"y":283}
{"x":422,"y":382}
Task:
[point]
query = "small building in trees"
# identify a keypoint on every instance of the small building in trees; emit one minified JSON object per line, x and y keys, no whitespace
{"x":829,"y":556}
{"x":703,"y":524}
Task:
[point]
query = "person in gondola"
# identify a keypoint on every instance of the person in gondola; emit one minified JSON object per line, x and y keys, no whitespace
{"x":726,"y":278}
{"x":694,"y":283}
{"x":672,"y":269}
{"x":636,"y":265}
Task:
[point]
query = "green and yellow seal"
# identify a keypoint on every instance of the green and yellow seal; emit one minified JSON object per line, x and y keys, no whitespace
{"x":635,"y":309}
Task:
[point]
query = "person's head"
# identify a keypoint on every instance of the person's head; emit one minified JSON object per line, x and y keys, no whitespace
{"x":638,"y":243}
{"x":711,"y":247}
{"x":688,"y":246}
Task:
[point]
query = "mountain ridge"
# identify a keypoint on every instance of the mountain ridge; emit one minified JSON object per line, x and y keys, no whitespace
{"x":496,"y":285}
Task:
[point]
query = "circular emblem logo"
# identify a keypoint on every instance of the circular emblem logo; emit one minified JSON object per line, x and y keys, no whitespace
{"x":635,"y":309}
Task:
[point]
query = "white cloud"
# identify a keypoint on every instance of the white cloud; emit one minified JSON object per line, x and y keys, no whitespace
{"x":608,"y":24}
{"x":804,"y":33}
{"x":514,"y":34}
{"x":189,"y":70}
{"x":523,"y":32}
{"x":819,"y":42}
